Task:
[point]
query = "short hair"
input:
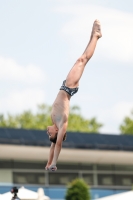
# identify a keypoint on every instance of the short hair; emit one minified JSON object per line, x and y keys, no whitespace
{"x":55,"y":138}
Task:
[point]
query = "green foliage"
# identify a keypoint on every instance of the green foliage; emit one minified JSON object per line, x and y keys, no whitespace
{"x":28,"y":120}
{"x":42,"y":119}
{"x":78,"y":190}
{"x":78,"y":123}
{"x":127,"y":125}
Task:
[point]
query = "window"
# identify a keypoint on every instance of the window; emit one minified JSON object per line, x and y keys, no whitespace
{"x":5,"y":164}
{"x":61,"y":178}
{"x":104,"y":167}
{"x":86,"y":167}
{"x":124,"y":180}
{"x":123,"y":168}
{"x":28,"y":178}
{"x":88,"y":178}
{"x":68,"y":166}
{"x":74,"y":166}
{"x":106,"y":180}
{"x":28,"y":165}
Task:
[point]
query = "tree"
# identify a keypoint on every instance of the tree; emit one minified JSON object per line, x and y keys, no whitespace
{"x":77,"y":190}
{"x":29,"y":120}
{"x":127,"y":125}
{"x":42,"y":119}
{"x":78,"y":123}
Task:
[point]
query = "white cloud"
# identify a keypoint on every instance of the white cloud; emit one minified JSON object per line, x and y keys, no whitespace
{"x":18,"y":101}
{"x":114,"y":116}
{"x":121,"y":110}
{"x":116,"y":28}
{"x":10,"y":70}
{"x":22,"y":87}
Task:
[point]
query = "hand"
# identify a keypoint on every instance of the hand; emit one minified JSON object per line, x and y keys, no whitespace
{"x":47,"y":167}
{"x":52,"y":168}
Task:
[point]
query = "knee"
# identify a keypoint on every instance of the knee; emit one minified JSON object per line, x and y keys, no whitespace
{"x":82,"y":59}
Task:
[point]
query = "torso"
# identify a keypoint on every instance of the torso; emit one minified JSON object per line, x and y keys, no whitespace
{"x":60,"y":108}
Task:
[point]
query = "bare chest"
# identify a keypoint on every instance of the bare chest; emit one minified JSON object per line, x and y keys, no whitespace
{"x":60,"y":110}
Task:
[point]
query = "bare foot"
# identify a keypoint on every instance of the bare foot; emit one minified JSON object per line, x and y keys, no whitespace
{"x":96,"y":29}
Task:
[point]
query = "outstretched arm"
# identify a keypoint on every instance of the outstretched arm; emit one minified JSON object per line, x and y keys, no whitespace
{"x":51,"y":154}
{"x":58,"y":147}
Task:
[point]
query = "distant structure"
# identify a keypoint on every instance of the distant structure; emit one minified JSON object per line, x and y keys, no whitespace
{"x":104,"y":161}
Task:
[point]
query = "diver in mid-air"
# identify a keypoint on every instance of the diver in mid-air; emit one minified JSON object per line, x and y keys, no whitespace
{"x":60,"y":108}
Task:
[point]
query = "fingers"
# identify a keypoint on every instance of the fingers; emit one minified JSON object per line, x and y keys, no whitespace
{"x":52,"y":168}
{"x":46,"y":168}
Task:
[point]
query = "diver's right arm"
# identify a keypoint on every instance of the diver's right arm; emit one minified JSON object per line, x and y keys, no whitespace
{"x":51,"y":155}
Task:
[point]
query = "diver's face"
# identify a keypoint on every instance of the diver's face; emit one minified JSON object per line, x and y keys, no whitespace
{"x":52,"y":131}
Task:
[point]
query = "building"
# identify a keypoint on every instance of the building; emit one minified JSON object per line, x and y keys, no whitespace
{"x":105,"y":162}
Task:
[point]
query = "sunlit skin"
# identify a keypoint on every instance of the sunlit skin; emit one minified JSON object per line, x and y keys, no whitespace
{"x":52,"y":131}
{"x":60,"y":108}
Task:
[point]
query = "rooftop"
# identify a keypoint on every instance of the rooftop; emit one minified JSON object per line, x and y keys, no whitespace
{"x":75,"y":140}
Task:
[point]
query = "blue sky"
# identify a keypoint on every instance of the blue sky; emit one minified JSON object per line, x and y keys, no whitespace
{"x":41,"y":40}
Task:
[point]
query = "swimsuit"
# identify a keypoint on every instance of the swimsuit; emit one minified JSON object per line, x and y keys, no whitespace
{"x":70,"y":91}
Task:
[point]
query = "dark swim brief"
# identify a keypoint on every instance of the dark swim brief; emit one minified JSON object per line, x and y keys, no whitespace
{"x":70,"y":91}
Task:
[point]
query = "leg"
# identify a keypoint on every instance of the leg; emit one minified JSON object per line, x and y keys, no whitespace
{"x":75,"y":73}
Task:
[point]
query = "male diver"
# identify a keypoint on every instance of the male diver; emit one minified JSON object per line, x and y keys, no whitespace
{"x":60,"y":108}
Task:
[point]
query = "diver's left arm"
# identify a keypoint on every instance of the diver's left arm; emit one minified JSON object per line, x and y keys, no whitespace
{"x":58,"y":146}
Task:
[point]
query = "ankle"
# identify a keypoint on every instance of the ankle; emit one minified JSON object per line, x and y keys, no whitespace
{"x":96,"y":35}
